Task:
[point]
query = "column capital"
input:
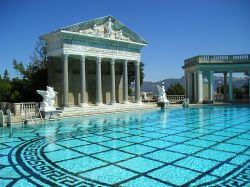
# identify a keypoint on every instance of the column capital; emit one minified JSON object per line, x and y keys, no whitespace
{"x":82,"y":58}
{"x":137,"y":63}
{"x":65,"y":56}
{"x":112,"y":62}
{"x":98,"y":59}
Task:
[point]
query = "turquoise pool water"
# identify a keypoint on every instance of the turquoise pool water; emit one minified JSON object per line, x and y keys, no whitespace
{"x":172,"y":147}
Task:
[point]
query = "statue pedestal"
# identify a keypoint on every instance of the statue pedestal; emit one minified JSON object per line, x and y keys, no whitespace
{"x":162,"y":104}
{"x":49,"y":114}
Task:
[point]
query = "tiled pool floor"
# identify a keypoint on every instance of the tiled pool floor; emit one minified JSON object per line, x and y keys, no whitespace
{"x":176,"y":147}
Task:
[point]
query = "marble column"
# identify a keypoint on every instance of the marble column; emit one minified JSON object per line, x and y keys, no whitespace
{"x":225,"y":86}
{"x":112,"y":80}
{"x":249,"y":85}
{"x":211,"y":86}
{"x":189,"y":81}
{"x":83,"y":82}
{"x":186,"y":84}
{"x":65,"y":77}
{"x":125,"y":81}
{"x":230,"y":86}
{"x":98,"y":81}
{"x":137,"y":82}
{"x":195,"y":87}
{"x":200,"y":86}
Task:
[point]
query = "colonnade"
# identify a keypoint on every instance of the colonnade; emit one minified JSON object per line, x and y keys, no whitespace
{"x":98,"y":61}
{"x":194,"y":85}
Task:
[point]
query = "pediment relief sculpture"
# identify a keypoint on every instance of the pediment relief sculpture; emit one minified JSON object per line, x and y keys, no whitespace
{"x":105,"y":30}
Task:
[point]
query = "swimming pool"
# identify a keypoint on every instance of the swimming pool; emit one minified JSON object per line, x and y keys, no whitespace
{"x":192,"y":147}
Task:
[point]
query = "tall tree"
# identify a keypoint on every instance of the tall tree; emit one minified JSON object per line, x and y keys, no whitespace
{"x":6,"y":75}
{"x":131,"y":72}
{"x":34,"y":75}
{"x":175,"y":89}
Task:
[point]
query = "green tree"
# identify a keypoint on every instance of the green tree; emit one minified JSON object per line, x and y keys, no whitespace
{"x":5,"y":88}
{"x":131,"y":73}
{"x":34,"y":75}
{"x":175,"y":89}
{"x":6,"y":75}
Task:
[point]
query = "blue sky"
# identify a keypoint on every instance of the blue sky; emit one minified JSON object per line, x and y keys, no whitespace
{"x":174,"y":29}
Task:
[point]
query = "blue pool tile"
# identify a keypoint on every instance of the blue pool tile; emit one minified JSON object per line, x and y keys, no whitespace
{"x":230,"y":147}
{"x":62,"y":155}
{"x":215,"y":155}
{"x":247,"y":152}
{"x":240,"y":159}
{"x":175,"y":138}
{"x":165,"y":156}
{"x":214,"y":138}
{"x":144,"y":182}
{"x":182,"y":148}
{"x":189,"y":134}
{"x":140,"y":164}
{"x":52,"y":147}
{"x":204,"y":180}
{"x":174,"y":175}
{"x":2,"y":146}
{"x":135,"y":139}
{"x":224,"y":133}
{"x":5,"y":182}
{"x":137,"y":149}
{"x":72,"y":143}
{"x":109,"y":174}
{"x":115,"y":143}
{"x":117,"y":135}
{"x":113,"y":156}
{"x":223,"y":170}
{"x":23,"y":183}
{"x":96,"y":139}
{"x":90,"y":149}
{"x":154,"y":135}
{"x":158,"y":143}
{"x":198,"y":164}
{"x":8,"y":172}
{"x":4,"y":161}
{"x":80,"y":164}
{"x":239,"y":141}
{"x":201,"y":143}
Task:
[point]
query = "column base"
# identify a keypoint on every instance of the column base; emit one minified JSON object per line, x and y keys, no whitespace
{"x":138,"y":102}
{"x":125,"y":102}
{"x":84,"y":104}
{"x":99,"y":104}
{"x":112,"y":103}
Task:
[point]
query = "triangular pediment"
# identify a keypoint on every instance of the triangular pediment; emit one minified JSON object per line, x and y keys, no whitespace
{"x":106,"y":27}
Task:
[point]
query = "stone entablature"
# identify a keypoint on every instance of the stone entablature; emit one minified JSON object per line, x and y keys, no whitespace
{"x":243,"y":58}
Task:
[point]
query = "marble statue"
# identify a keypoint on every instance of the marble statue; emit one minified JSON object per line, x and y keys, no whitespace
{"x":186,"y":103}
{"x":108,"y":28}
{"x":48,"y":99}
{"x":162,"y":99}
{"x":119,"y":35}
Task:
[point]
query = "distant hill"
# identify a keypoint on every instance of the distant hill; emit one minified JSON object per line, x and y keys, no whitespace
{"x":149,"y":86}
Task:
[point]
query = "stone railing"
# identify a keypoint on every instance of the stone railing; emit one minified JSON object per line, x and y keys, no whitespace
{"x":217,"y":59}
{"x":19,"y":108}
{"x":175,"y":98}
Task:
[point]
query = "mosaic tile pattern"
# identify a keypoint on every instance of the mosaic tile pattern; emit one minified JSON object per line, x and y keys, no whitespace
{"x":206,"y":146}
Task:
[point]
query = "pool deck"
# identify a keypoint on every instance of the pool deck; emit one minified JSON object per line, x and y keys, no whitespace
{"x":77,"y":111}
